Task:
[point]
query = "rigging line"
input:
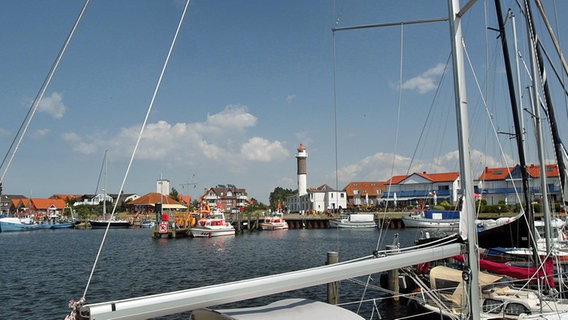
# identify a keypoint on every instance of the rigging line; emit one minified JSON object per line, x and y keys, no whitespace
{"x":491,"y":122}
{"x":399,"y":102}
{"x":422,"y":132}
{"x":551,"y":34}
{"x":101,"y":171}
{"x":35,"y":104}
{"x":558,"y":33}
{"x":558,"y":76}
{"x":334,"y":54}
{"x":165,"y":65}
{"x":397,"y":121}
{"x":382,"y":235}
{"x":335,"y":111}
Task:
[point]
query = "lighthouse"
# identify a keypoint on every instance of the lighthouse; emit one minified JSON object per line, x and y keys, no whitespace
{"x":302,"y":155}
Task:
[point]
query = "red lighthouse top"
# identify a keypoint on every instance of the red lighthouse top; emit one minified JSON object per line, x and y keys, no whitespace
{"x":301,"y":147}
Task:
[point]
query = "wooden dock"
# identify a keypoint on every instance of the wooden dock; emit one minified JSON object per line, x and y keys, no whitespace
{"x":170,"y":233}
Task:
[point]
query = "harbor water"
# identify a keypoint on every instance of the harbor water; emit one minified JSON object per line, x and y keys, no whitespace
{"x":43,"y":270}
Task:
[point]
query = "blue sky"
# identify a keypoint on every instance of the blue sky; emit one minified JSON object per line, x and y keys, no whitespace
{"x":247,"y":82}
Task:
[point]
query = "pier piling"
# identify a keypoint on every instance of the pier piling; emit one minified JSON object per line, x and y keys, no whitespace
{"x":332,"y":287}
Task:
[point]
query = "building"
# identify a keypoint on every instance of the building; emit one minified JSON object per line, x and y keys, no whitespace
{"x":428,"y":188}
{"x":301,"y":158}
{"x":37,"y":207}
{"x":163,"y":186}
{"x":7,"y":203}
{"x":364,"y":193}
{"x":146,"y":203}
{"x":505,"y":184}
{"x":228,"y":197}
{"x":321,"y":199}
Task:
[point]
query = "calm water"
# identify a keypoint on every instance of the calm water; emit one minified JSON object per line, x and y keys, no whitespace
{"x":43,"y":270}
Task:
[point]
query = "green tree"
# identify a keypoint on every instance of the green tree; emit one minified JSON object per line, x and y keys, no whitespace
{"x":174,"y":194}
{"x":281,"y":194}
{"x":255,"y":206}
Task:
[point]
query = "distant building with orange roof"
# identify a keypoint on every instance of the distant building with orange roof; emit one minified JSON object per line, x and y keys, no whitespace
{"x":364,"y":193}
{"x":504,"y":184}
{"x":430,"y":188}
{"x":147,"y":202}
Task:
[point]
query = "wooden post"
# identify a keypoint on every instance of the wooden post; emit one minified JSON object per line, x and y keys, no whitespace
{"x":393,"y":281}
{"x":332,"y":287}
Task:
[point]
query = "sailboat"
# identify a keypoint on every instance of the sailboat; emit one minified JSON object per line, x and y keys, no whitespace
{"x":535,"y":293}
{"x":107,"y":222}
{"x":200,"y":299}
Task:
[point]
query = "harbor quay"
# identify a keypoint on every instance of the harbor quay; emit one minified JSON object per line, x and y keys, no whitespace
{"x":385,"y":220}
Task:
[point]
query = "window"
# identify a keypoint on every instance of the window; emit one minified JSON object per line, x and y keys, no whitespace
{"x":355,"y":192}
{"x":492,"y":306}
{"x":516,"y":309}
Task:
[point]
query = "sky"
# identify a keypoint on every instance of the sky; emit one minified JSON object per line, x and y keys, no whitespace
{"x":247,"y":82}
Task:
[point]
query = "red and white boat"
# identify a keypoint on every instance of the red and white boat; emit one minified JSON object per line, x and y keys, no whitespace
{"x":274,"y":222}
{"x":213,"y":225}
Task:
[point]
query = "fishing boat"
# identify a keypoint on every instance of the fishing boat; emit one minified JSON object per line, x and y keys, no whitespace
{"x":354,"y":220}
{"x":11,"y":224}
{"x":213,"y":225}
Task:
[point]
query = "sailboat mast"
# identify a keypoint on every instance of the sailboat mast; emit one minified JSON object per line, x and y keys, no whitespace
{"x":105,"y":185}
{"x":538,"y":124}
{"x":559,"y":149}
{"x":519,"y":139}
{"x":471,"y":269}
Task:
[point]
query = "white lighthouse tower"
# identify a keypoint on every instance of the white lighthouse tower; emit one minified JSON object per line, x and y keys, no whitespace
{"x":302,"y":155}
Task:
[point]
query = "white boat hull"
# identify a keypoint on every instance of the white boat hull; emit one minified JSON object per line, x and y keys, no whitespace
{"x":209,"y":232}
{"x":351,"y":224}
{"x":10,"y":224}
{"x":419,"y":222}
{"x":274,"y":226}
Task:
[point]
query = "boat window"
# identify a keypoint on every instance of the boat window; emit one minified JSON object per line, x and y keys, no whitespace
{"x":492,"y":306}
{"x":516,"y":309}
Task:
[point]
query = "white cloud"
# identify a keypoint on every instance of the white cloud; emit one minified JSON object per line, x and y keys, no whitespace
{"x":53,"y":105}
{"x":83,"y":145}
{"x":262,"y":150}
{"x":380,"y":167}
{"x":426,"y":81}
{"x":221,"y":138}
{"x":4,"y":132}
{"x":40,"y":133}
{"x":290,"y":98}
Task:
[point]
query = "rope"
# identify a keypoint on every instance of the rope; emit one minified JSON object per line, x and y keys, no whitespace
{"x":35,"y":104}
{"x":137,"y":144}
